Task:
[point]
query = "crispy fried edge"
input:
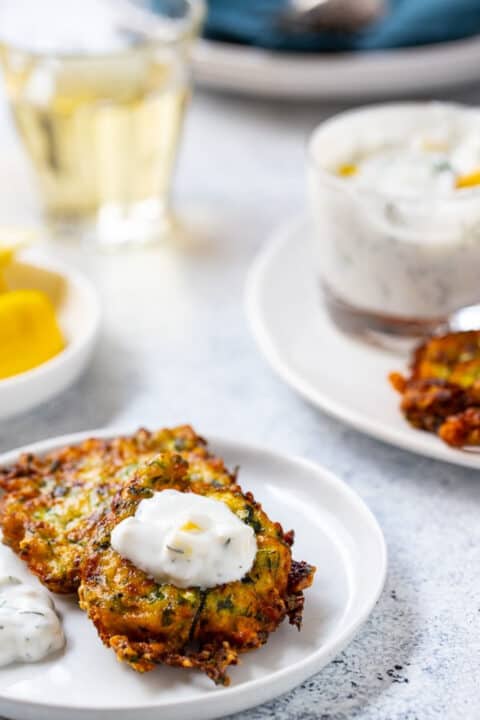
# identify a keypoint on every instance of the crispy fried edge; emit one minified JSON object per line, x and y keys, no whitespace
{"x":462,"y":429}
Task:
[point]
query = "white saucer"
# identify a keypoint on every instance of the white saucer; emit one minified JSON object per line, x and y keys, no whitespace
{"x":78,"y":314}
{"x":334,"y":76}
{"x":337,"y":373}
{"x":334,"y":530}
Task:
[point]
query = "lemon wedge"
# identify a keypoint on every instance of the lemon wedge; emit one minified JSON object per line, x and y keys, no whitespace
{"x":13,"y":239}
{"x":6,"y":257}
{"x":29,"y":332}
{"x":467,"y":181}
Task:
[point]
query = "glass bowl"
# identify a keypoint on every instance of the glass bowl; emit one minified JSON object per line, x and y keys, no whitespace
{"x":395,"y":262}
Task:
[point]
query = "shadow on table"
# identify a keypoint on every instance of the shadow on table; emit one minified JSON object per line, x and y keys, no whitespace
{"x":92,"y":402}
{"x":375,"y":660}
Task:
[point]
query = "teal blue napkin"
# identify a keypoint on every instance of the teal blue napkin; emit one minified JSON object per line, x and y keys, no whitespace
{"x":407,"y":22}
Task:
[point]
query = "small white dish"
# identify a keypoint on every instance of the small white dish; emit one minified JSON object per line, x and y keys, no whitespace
{"x":335,"y":76}
{"x":78,"y":313}
{"x":340,"y":374}
{"x":334,"y":530}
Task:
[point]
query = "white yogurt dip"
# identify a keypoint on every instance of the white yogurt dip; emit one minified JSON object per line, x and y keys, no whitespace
{"x":29,"y":626}
{"x":395,"y":194}
{"x":186,"y":540}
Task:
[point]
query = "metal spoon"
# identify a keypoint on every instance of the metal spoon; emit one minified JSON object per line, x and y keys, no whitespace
{"x":340,"y":15}
{"x":467,"y":318}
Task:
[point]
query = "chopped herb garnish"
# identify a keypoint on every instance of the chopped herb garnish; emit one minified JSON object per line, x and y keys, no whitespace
{"x":225,"y":604}
{"x":167,"y":616}
{"x":250,"y":519}
{"x":179,"y":551}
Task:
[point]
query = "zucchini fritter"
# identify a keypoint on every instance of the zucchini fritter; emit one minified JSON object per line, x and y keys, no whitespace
{"x":52,"y":503}
{"x":147,"y":623}
{"x":442,"y":393}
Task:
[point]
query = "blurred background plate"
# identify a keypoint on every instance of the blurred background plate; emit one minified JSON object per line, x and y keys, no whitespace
{"x":353,"y":75}
{"x":78,"y":313}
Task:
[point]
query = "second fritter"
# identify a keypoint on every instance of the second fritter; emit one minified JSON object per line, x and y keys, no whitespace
{"x":442,"y":392}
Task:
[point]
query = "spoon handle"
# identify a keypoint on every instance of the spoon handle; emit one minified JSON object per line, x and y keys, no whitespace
{"x":337,"y":15}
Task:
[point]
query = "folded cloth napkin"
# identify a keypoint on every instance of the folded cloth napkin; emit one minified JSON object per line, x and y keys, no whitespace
{"x":405,"y":22}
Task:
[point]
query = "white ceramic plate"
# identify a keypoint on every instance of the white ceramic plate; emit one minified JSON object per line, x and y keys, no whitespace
{"x":337,"y":373}
{"x":335,"y":530}
{"x":78,"y":313}
{"x":389,"y":73}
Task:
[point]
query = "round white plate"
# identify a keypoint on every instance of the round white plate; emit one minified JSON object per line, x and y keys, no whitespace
{"x":78,"y":313}
{"x":340,"y":374}
{"x":334,"y":530}
{"x":388,"y":73}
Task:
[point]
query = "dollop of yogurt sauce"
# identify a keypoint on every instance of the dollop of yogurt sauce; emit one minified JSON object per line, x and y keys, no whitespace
{"x":29,"y":626}
{"x":398,"y":210}
{"x":186,"y":540}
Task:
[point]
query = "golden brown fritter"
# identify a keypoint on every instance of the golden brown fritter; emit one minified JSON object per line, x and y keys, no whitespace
{"x":440,"y":355}
{"x":52,"y":503}
{"x":147,"y":623}
{"x":442,"y":393}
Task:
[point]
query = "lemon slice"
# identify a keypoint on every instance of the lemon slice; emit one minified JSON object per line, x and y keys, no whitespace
{"x":12,"y":239}
{"x":6,"y":257}
{"x":468,"y":181}
{"x":29,"y":332}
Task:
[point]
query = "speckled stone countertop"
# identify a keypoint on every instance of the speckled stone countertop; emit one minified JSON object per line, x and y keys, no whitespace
{"x":176,"y":347}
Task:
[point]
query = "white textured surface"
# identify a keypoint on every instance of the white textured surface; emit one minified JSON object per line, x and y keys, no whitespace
{"x":176,"y":347}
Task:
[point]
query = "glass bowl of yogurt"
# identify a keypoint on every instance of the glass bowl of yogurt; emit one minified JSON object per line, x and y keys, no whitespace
{"x":395,"y":197}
